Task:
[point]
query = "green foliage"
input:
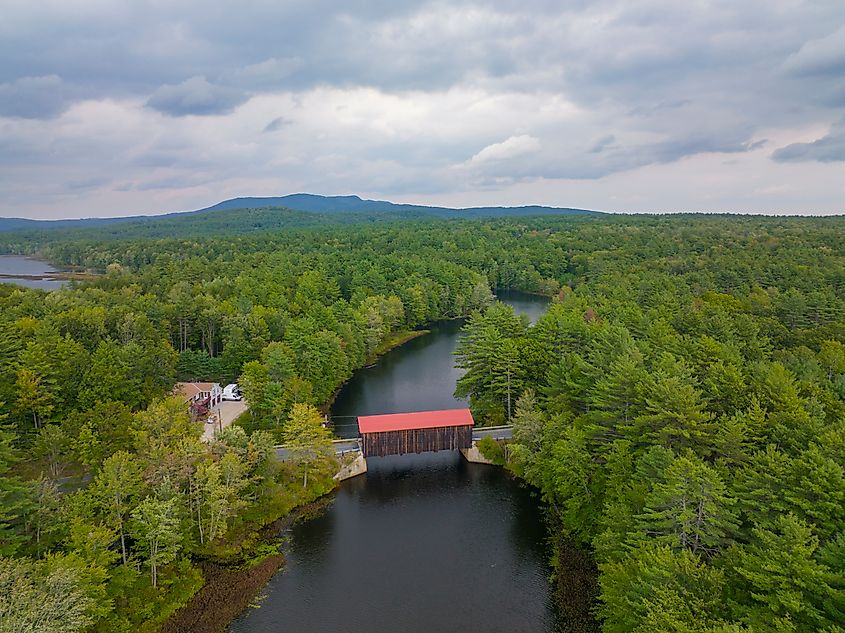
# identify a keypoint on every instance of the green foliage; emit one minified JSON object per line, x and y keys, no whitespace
{"x":43,"y":596}
{"x":681,"y":406}
{"x":656,"y":586}
{"x":97,"y":433}
{"x":492,"y":353}
{"x":492,"y":450}
{"x":15,"y":495}
{"x":689,"y":509}
{"x":308,"y":440}
{"x":779,"y":581}
{"x":155,"y":526}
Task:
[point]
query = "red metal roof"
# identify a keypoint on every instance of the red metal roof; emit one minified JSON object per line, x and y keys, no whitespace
{"x":415,"y":420}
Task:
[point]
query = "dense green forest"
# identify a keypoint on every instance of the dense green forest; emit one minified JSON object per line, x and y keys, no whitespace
{"x":681,"y":406}
{"x":682,"y":410}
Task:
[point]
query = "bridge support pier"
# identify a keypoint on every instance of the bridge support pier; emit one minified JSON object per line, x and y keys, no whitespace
{"x":473,"y":455}
{"x":351,"y":468}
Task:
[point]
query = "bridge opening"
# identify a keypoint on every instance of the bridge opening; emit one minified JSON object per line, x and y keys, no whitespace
{"x":417,"y":432}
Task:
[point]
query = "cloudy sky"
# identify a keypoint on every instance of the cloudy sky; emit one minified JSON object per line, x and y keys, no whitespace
{"x":115,"y":108}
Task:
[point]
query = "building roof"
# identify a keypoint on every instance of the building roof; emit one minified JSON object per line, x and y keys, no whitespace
{"x":189,"y":390}
{"x":415,"y":420}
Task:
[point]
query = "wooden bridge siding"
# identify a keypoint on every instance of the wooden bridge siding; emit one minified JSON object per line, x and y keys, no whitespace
{"x":444,"y":438}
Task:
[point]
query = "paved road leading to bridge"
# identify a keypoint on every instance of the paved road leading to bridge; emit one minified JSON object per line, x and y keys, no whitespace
{"x":496,"y":432}
{"x":340,"y":447}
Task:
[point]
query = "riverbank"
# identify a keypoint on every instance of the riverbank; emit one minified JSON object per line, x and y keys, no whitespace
{"x":413,"y":379}
{"x":230,"y":589}
{"x":58,"y":276}
{"x":397,"y":339}
{"x":575,"y":577}
{"x":38,"y":273}
{"x":391,"y":342}
{"x":575,"y":585}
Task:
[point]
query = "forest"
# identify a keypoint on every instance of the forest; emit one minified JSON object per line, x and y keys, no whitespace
{"x":681,"y":406}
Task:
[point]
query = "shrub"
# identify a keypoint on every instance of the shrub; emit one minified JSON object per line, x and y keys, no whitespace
{"x":492,"y":450}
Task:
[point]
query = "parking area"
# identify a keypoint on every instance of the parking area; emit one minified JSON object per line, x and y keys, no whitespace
{"x":228,"y":411}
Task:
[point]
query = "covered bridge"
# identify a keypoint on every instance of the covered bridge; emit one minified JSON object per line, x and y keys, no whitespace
{"x":400,"y":433}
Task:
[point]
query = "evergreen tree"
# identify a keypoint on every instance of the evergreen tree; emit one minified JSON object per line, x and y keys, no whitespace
{"x":657,"y":584}
{"x":672,"y":412}
{"x":690,"y":509}
{"x":779,"y":582}
{"x":15,"y":496}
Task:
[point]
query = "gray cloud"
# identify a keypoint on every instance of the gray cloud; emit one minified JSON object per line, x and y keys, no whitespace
{"x":397,"y":96}
{"x":277,"y":124}
{"x":33,"y":97}
{"x":821,"y":56}
{"x":827,"y":149}
{"x":604,"y":157}
{"x":195,"y":96}
{"x":605,"y":142}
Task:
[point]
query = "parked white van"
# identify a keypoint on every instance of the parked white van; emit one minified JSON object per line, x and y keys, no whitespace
{"x":231,"y":392}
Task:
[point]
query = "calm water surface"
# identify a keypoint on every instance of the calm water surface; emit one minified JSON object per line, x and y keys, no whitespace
{"x":418,"y":376}
{"x":421,"y":543}
{"x":16,"y":265}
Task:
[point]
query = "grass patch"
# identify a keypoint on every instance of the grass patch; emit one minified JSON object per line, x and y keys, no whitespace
{"x":396,"y":339}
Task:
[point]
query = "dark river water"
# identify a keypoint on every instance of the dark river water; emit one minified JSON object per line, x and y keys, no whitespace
{"x":421,"y":543}
{"x":418,"y":376}
{"x":16,"y":265}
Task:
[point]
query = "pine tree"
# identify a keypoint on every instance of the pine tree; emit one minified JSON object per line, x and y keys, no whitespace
{"x":691,"y":509}
{"x":15,"y":496}
{"x":657,"y":584}
{"x":672,"y":414}
{"x":778,"y":581}
{"x":615,"y":397}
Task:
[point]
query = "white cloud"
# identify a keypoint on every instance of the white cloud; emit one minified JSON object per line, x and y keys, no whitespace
{"x":511,"y":147}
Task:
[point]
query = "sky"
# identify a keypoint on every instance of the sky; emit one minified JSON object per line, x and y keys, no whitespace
{"x":112,"y":108}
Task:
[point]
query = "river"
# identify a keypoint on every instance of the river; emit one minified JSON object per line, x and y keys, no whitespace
{"x":421,"y":543}
{"x":13,"y":265}
{"x":418,"y":376}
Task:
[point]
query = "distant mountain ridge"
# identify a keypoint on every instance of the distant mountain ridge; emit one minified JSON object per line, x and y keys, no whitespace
{"x":302,"y":202}
{"x":338,"y":204}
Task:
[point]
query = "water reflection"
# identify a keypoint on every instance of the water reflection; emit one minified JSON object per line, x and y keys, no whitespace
{"x":418,"y":376}
{"x":422,"y":543}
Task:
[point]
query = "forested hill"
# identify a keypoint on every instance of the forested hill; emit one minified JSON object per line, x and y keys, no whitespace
{"x":247,"y":215}
{"x":354,"y":204}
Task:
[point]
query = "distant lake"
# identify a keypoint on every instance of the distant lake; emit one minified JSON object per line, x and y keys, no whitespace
{"x":16,"y":265}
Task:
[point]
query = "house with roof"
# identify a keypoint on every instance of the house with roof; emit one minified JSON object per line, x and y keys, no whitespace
{"x":200,"y":397}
